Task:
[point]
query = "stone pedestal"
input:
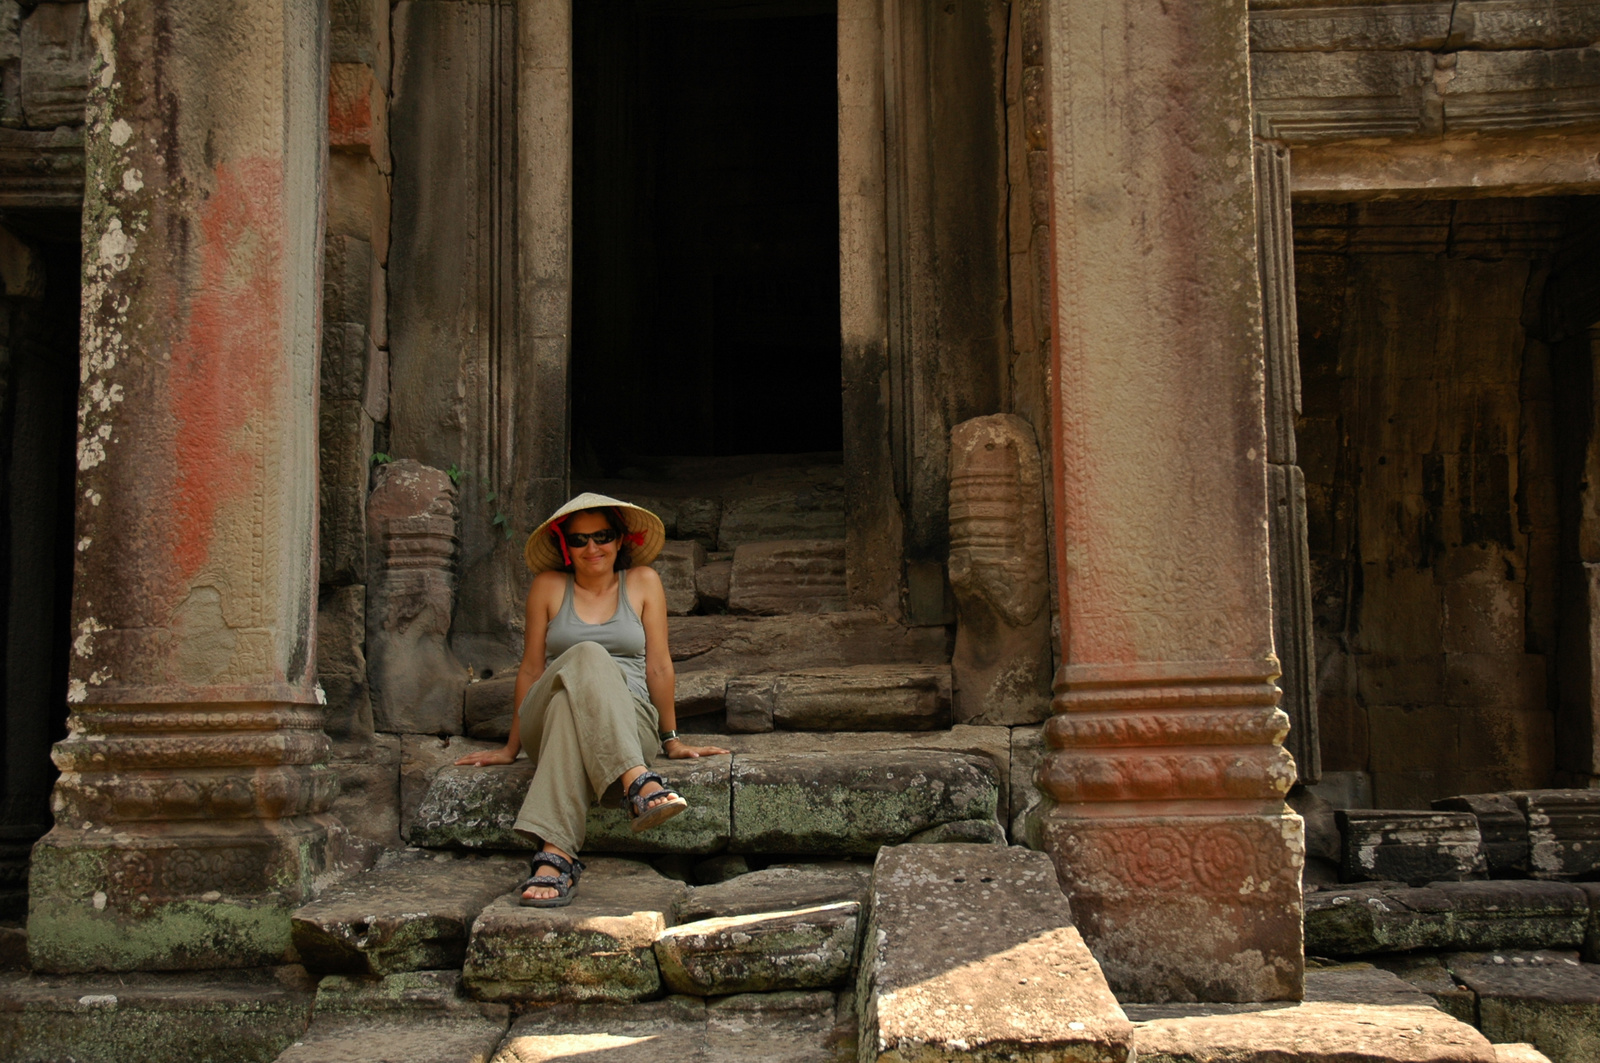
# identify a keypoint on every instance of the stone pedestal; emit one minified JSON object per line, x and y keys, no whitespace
{"x":1165,"y":773}
{"x":189,"y":811}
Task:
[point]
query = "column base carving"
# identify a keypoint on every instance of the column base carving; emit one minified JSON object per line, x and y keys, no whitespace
{"x":1184,"y":908}
{"x":172,"y":895}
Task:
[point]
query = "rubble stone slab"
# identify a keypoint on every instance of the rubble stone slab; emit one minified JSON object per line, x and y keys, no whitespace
{"x":817,"y":803}
{"x":854,"y":698}
{"x":411,"y":912}
{"x":1555,"y":1007}
{"x":677,"y":564}
{"x":1412,"y":847}
{"x":415,"y":1017}
{"x":1520,"y":1052}
{"x":808,"y":948}
{"x":1313,"y":1033}
{"x":971,"y":954}
{"x":1427,"y":973}
{"x":1502,"y":825}
{"x":776,"y":889}
{"x":206,"y":1017}
{"x":1445,"y":915}
{"x":1563,"y":832}
{"x":598,"y":948}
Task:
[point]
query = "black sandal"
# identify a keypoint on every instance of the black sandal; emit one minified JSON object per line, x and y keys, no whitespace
{"x":652,"y":810}
{"x":563,"y":882}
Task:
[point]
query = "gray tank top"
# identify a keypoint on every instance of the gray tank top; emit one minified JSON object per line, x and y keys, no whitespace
{"x":622,"y":636}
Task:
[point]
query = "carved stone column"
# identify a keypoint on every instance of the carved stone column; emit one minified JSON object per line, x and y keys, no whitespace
{"x":188,"y":818}
{"x":1165,"y":777}
{"x":999,"y":571}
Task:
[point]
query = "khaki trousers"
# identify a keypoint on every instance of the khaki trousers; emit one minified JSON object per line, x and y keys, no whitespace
{"x":582,"y":728}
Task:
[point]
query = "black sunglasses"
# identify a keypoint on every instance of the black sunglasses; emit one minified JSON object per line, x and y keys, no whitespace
{"x":579,"y":540}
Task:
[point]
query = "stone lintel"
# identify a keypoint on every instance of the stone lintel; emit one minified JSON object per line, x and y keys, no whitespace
{"x":1468,"y":167}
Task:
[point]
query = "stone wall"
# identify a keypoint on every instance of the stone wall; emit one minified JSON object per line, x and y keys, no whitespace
{"x":1426,"y":441}
{"x":44,"y":74}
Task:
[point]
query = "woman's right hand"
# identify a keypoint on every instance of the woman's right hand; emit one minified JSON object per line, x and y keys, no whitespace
{"x":489,"y":756}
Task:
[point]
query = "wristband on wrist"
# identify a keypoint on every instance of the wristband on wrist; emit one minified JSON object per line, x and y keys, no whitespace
{"x":667,"y":736}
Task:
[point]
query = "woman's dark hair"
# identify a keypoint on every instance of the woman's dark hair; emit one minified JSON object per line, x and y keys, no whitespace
{"x":613,"y":517}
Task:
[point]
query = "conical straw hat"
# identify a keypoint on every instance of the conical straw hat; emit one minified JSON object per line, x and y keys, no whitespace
{"x":543,"y":553}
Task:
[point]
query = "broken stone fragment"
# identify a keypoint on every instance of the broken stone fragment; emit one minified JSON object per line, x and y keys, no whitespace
{"x":600,"y":947}
{"x":1563,"y":832}
{"x":1413,"y":847}
{"x":854,"y":698}
{"x":1446,"y":915}
{"x":776,"y":889}
{"x":808,"y":948}
{"x":1502,"y":825}
{"x":411,"y":912}
{"x":823,"y":804}
{"x":970,"y":953}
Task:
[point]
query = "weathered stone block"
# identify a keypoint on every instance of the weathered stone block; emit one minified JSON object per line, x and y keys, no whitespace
{"x":1446,"y":915}
{"x":814,"y":803}
{"x":1027,"y":750}
{"x":1502,"y":825}
{"x":971,"y":953}
{"x":474,"y":808}
{"x":972,"y":831}
{"x":1314,"y":1033}
{"x":344,"y":460}
{"x":56,"y":52}
{"x":1428,"y":974}
{"x":677,"y":564}
{"x":808,"y":948}
{"x":487,"y":708}
{"x":776,"y":889}
{"x":1555,"y":1007}
{"x":856,"y":698}
{"x":421,"y":758}
{"x":741,"y":645}
{"x":806,"y":511}
{"x":1354,"y":28}
{"x":411,"y":912}
{"x":1359,"y":983}
{"x":788,"y":576}
{"x":699,"y":693}
{"x":206,"y":1017}
{"x":368,"y":805}
{"x":711,"y":583}
{"x":1521,"y":1052}
{"x":1591,"y":938}
{"x":1412,"y":847}
{"x":600,"y":947}
{"x":1563,"y":832}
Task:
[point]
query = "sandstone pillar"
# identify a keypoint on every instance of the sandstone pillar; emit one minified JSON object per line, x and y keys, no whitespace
{"x":188,"y":812}
{"x":1165,"y":776}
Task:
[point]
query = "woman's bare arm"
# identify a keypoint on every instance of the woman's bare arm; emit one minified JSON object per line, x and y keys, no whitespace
{"x":659,"y":674}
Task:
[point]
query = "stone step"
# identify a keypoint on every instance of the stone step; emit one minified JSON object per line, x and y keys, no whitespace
{"x":971,"y":951}
{"x":417,"y":1017}
{"x":410,"y":912}
{"x":788,"y":576}
{"x":864,"y":697}
{"x":807,"y":803}
{"x":247,"y":1016}
{"x":860,"y":697}
{"x":799,"y":948}
{"x":794,"y":1027}
{"x":1389,"y":917}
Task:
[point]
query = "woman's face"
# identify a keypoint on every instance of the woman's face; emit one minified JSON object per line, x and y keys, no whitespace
{"x":591,"y":559}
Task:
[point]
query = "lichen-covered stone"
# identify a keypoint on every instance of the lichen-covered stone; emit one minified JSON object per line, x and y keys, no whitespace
{"x":1563,"y":832}
{"x":1413,"y":847}
{"x":1591,"y":937}
{"x":411,"y":912}
{"x":600,"y":947}
{"x":1445,"y":915}
{"x":976,"y":831}
{"x":817,"y":803}
{"x":206,"y":1017}
{"x":1502,"y":825}
{"x":474,"y":808}
{"x":971,"y":954}
{"x":809,"y":948}
{"x":1555,"y":1007}
{"x":776,"y":889}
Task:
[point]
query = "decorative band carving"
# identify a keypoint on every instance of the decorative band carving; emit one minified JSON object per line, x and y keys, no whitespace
{"x":1195,"y":773}
{"x":1235,"y":858}
{"x":270,"y":793}
{"x":97,"y":753}
{"x":1241,"y":727}
{"x":125,"y":719}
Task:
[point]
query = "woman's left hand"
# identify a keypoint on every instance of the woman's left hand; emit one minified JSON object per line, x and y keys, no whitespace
{"x":677,"y":750}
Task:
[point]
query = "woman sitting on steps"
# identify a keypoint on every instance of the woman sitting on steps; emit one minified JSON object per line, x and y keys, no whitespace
{"x":595,"y":690}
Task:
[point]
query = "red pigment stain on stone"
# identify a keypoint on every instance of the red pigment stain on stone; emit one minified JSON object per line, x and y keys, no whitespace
{"x":350,"y":105}
{"x":226,"y":356}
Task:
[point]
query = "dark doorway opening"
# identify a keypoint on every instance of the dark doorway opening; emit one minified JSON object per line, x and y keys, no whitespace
{"x":705,"y":232}
{"x":39,"y":304}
